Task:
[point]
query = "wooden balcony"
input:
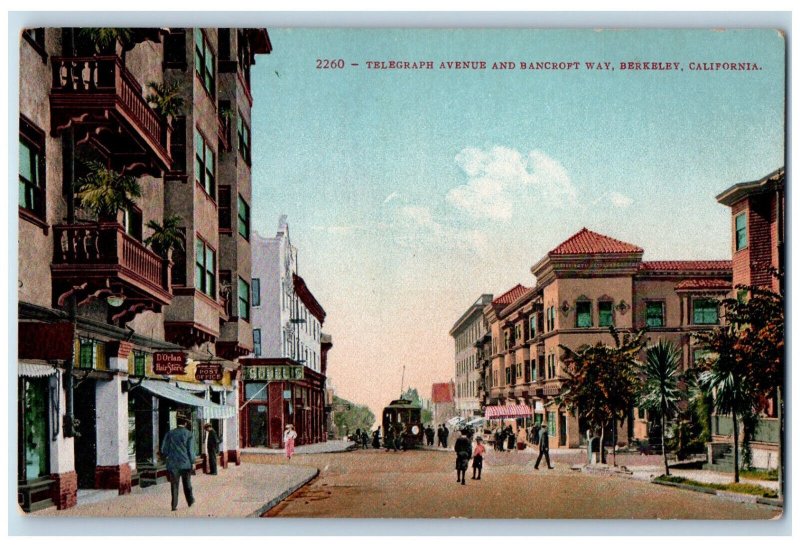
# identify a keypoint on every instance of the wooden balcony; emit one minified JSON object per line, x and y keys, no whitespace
{"x":103,"y":102}
{"x":94,"y":261}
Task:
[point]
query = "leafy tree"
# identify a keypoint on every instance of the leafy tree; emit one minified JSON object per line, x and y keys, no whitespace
{"x":104,"y":192}
{"x":600,"y":382}
{"x":349,"y":416}
{"x":104,"y":40}
{"x":412,"y":395}
{"x":660,"y":391}
{"x":165,"y":98}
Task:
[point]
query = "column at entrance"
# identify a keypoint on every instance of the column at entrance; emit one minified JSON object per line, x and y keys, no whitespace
{"x":113,"y":470}
{"x":64,"y":491}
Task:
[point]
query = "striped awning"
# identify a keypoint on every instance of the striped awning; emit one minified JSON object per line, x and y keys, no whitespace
{"x":507,"y":411}
{"x":206,"y":409}
{"x":35,"y":370}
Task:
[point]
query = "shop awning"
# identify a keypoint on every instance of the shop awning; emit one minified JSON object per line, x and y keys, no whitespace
{"x":508,"y":411}
{"x":207,"y":409}
{"x":35,"y":370}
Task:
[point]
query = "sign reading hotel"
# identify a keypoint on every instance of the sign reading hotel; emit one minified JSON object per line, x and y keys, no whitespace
{"x":170,"y":363}
{"x":273,"y":372}
{"x":208,"y":371}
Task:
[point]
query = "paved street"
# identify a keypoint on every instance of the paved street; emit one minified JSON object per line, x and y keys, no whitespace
{"x":416,"y":484}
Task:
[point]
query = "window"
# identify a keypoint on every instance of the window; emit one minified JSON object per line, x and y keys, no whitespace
{"x":534,"y":376}
{"x":255,"y":390}
{"x":204,"y":63}
{"x":244,"y":300}
{"x":31,"y":168}
{"x":533,"y":326}
{"x":203,"y":163}
{"x":508,"y":376}
{"x":139,"y":359}
{"x":178,"y":270}
{"x":243,"y":135}
{"x":256,"y":290}
{"x":244,"y":218}
{"x":705,"y":311}
{"x":606,"y":311}
{"x":701,"y":355}
{"x":132,"y":222}
{"x":551,"y":366}
{"x":551,"y":318}
{"x":654,"y":314}
{"x":508,"y":339}
{"x":257,"y":342}
{"x":224,"y":208}
{"x":205,"y":278}
{"x":741,"y":231}
{"x":583,"y":314}
{"x":551,"y":424}
{"x":87,"y":355}
{"x":177,"y":145}
{"x":518,"y":333}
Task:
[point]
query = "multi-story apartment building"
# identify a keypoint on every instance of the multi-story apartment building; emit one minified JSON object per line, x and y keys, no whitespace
{"x":117,"y":337}
{"x":583,"y":286}
{"x":287,"y":339}
{"x":467,"y":332}
{"x":758,"y":212}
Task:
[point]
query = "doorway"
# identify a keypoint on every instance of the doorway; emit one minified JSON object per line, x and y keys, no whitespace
{"x":85,"y":406}
{"x":257,"y":424}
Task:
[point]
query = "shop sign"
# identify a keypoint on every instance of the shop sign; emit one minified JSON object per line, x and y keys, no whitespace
{"x":273,"y":372}
{"x":208,"y":371}
{"x":169,"y":362}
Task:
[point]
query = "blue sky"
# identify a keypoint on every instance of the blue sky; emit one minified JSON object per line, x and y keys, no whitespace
{"x":410,"y":193}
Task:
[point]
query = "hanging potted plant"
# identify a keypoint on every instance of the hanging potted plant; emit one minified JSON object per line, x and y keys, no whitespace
{"x":166,"y":99}
{"x":104,"y":192}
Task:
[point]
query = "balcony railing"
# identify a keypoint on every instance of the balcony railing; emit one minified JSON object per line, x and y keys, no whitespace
{"x":104,"y":250}
{"x":86,"y":89}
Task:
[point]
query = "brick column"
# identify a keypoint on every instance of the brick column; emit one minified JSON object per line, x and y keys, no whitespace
{"x":113,"y":470}
{"x":64,"y":492}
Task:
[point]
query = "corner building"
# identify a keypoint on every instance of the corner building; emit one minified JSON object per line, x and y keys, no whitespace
{"x":583,"y":286}
{"x":467,"y":333}
{"x":100,"y":312}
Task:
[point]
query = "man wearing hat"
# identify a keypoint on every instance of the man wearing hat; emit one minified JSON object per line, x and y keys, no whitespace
{"x":544,"y":447}
{"x":178,"y":448}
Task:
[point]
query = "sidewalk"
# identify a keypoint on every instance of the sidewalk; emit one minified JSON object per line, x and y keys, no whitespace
{"x":316,"y":448}
{"x":648,"y":472}
{"x":247,"y":490}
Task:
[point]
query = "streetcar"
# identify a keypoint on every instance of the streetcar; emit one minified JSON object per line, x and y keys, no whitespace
{"x":404,"y":415}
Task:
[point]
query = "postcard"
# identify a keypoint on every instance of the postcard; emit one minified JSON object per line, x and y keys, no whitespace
{"x":401,"y":273}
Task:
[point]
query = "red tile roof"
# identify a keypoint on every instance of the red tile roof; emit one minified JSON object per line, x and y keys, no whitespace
{"x":442,"y":393}
{"x":589,"y":242}
{"x":684,"y":265}
{"x":695,"y":284}
{"x":510,"y":295}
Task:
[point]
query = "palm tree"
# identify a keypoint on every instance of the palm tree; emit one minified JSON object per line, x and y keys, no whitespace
{"x":105,"y":192}
{"x":166,"y":236}
{"x":727,"y":379}
{"x":660,"y":390}
{"x":105,"y":40}
{"x":165,"y":98}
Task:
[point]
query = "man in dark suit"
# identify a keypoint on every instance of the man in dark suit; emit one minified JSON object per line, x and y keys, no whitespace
{"x":212,"y":448}
{"x":544,"y":447}
{"x":178,"y":448}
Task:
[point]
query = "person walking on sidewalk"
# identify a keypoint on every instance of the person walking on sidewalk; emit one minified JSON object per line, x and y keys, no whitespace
{"x":178,"y":449}
{"x":212,"y":448}
{"x":544,"y":448}
{"x":445,"y":434}
{"x":288,"y":440}
{"x":477,"y":459}
{"x":463,"y":450}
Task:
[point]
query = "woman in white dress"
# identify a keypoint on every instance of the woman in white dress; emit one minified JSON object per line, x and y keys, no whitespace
{"x":289,"y":435}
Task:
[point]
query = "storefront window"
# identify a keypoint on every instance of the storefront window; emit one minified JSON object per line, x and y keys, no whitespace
{"x":34,"y":427}
{"x":551,"y":424}
{"x":255,"y":390}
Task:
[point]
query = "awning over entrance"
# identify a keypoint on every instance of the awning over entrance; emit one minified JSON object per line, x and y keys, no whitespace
{"x":207,"y":409}
{"x":34,"y":370}
{"x":508,"y":411}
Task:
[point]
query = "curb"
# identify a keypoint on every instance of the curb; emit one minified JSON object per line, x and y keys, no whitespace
{"x":742,"y":498}
{"x":283,"y":495}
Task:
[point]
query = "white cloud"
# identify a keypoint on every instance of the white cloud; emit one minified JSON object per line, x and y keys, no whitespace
{"x":338,"y":230}
{"x":390,"y":197}
{"x":423,"y":228}
{"x":619,"y":200}
{"x":500,"y":177}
